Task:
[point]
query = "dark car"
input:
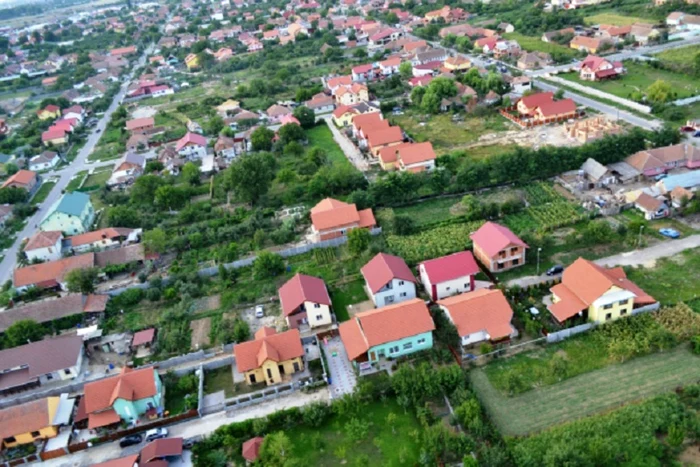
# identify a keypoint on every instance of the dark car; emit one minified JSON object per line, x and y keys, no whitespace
{"x":554,"y":270}
{"x":130,"y":440}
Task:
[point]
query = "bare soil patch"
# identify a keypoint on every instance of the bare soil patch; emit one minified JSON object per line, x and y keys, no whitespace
{"x":200,"y":333}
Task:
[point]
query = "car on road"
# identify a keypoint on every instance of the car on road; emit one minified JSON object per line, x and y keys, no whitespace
{"x":554,"y":270}
{"x":670,"y":233}
{"x":130,"y":440}
{"x":259,"y":311}
{"x":156,"y":433}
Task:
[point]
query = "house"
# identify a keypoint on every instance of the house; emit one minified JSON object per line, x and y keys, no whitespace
{"x":305,"y":302}
{"x":287,"y":119}
{"x":588,"y":44}
{"x":44,"y":246}
{"x":161,"y":452}
{"x":497,"y":248}
{"x":370,"y":337}
{"x":140,"y":125}
{"x":123,"y":51}
{"x":228,"y":107}
{"x":271,"y":357}
{"x":556,"y":36}
{"x":457,"y":63}
{"x":614,"y":33}
{"x":388,"y":280}
{"x":528,"y":104}
{"x":651,"y":162}
{"x":225,"y":147}
{"x":142,"y":342}
{"x":363,"y":73}
{"x":33,"y":421}
{"x":506,"y":49}
{"x":651,"y":207}
{"x":390,"y":66}
{"x":103,"y":239}
{"x":52,"y":309}
{"x":591,"y":129}
{"x":521,"y":84}
{"x":192,"y":62}
{"x":556,"y":111}
{"x":321,"y":103}
{"x":595,"y":294}
{"x":50,"y":275}
{"x":44,"y":161}
{"x":331,"y":218}
{"x":54,"y":137}
{"x":680,"y":196}
{"x":595,"y":68}
{"x":275,"y":112}
{"x":644,"y":33}
{"x":448,"y":275}
{"x":483,"y":315}
{"x":31,"y":365}
{"x":430,"y":56}
{"x":192,"y":146}
{"x":72,"y":213}
{"x":685,"y":181}
{"x":251,"y":449}
{"x":378,"y":138}
{"x":123,"y":397}
{"x":349,"y":95}
{"x":49,"y":112}
{"x":412,"y":157}
{"x":126,"y":170}
{"x":75,"y":111}
{"x":24,"y":179}
{"x":337,"y":81}
{"x":533,"y":60}
{"x":597,"y":174}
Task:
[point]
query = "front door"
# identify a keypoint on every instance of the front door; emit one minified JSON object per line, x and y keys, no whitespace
{"x":296,"y":367}
{"x":281,"y":368}
{"x":372,"y":356}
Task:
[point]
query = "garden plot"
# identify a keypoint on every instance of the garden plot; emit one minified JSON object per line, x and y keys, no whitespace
{"x":212,"y":302}
{"x":200,"y":333}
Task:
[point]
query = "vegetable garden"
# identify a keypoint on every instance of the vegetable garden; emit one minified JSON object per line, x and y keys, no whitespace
{"x":433,"y":243}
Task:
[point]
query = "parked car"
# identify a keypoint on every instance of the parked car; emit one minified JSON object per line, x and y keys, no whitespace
{"x":156,"y":433}
{"x":130,"y":440}
{"x":660,"y":177}
{"x":259,"y":311}
{"x":670,"y":233}
{"x":554,"y":270}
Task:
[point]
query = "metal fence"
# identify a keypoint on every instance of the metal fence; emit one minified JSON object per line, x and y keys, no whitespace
{"x":234,"y":403}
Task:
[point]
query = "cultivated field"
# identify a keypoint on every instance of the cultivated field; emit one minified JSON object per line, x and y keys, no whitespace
{"x":588,"y":393}
{"x":614,"y":19}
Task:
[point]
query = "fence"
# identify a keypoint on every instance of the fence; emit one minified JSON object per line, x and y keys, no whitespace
{"x":530,"y":122}
{"x":24,"y":460}
{"x":604,"y":95}
{"x":234,"y":403}
{"x":566,"y":333}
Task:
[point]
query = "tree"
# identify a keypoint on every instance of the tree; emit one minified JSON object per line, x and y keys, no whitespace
{"x":291,"y":132}
{"x":190,"y":173}
{"x":241,"y":330}
{"x":22,"y":332}
{"x":82,"y":280}
{"x":276,"y":450}
{"x":659,"y":92}
{"x":358,"y":241}
{"x":124,"y":216}
{"x":406,"y":70}
{"x":306,"y":116}
{"x":261,"y":139}
{"x":214,"y":126}
{"x":11,"y":168}
{"x":170,"y":197}
{"x":250,"y":176}
{"x":155,"y":241}
{"x":696,"y":64}
{"x":267,"y":264}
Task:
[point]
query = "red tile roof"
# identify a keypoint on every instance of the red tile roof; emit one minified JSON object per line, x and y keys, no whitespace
{"x":536,"y":100}
{"x":390,"y":323}
{"x":370,"y":119}
{"x":129,"y":384}
{"x":555,"y":108}
{"x":164,"y":447}
{"x":190,"y":138}
{"x":138,"y":123}
{"x":381,"y":269}
{"x":268,"y":345}
{"x":251,"y":449}
{"x":53,"y":272}
{"x":481,"y":310}
{"x":24,"y":418}
{"x":332,"y":214}
{"x":22,"y":177}
{"x":302,"y":288}
{"x":52,"y":134}
{"x":492,"y":238}
{"x":128,"y":461}
{"x":98,"y":235}
{"x":450,"y":267}
{"x":384,"y":136}
{"x":100,"y":419}
{"x":342,"y":110}
{"x":416,"y":153}
{"x":143,"y":337}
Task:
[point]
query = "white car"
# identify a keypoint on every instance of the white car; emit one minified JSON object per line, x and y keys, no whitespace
{"x":156,"y":433}
{"x":259,"y":311}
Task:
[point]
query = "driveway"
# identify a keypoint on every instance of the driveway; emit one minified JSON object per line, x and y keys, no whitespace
{"x":351,"y":152}
{"x":342,"y":374}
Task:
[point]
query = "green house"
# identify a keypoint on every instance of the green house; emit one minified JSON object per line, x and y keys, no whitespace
{"x":72,"y":214}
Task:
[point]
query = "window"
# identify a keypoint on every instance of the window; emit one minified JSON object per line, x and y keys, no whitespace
{"x":500,"y":266}
{"x":35,"y":434}
{"x":447,"y":288}
{"x":421,"y":340}
{"x":408,"y":346}
{"x":466,"y":286}
{"x":49,"y":376}
{"x":608,"y":316}
{"x":319,"y":317}
{"x":516,"y":261}
{"x":316,"y":305}
{"x":623,"y":312}
{"x":67,"y":372}
{"x":623,"y":302}
{"x":269,"y":373}
{"x":252,"y":379}
{"x":403,"y":294}
{"x":394,"y":349}
{"x":10,"y":439}
{"x":513,"y":250}
{"x":400,"y":282}
{"x":607,"y":306}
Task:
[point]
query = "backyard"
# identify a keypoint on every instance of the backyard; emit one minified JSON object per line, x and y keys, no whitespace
{"x":43,"y":192}
{"x":320,"y":136}
{"x":347,"y":294}
{"x":220,"y":379}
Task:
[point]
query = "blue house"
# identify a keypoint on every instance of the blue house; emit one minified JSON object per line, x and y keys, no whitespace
{"x":72,"y":214}
{"x":388,"y":333}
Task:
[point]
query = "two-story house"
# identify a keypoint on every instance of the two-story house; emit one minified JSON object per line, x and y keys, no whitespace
{"x":353,"y":94}
{"x":595,"y":68}
{"x":388,"y":280}
{"x":652,"y":162}
{"x":448,"y":275}
{"x":593,"y":293}
{"x":305,"y":302}
{"x":44,"y":161}
{"x":363,"y":73}
{"x":373,"y":336}
{"x":72,"y":213}
{"x":497,"y":248}
{"x":24,"y":179}
{"x":44,"y":246}
{"x":192,"y":146}
{"x":480,"y":316}
{"x":124,"y":397}
{"x":33,"y":421}
{"x":411,"y":157}
{"x":331,"y":218}
{"x":271,"y":357}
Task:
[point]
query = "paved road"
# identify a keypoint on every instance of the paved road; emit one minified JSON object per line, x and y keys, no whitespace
{"x":629,"y":258}
{"x":64,"y":176}
{"x":189,"y":429}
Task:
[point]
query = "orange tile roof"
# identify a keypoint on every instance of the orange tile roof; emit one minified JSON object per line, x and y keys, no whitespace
{"x":331,"y":213}
{"x":382,"y":137}
{"x":367,"y":218}
{"x":389,"y":154}
{"x":23,"y":177}
{"x":416,"y":153}
{"x":138,"y":123}
{"x":128,"y":461}
{"x":129,"y":384}
{"x":339,"y":81}
{"x":100,"y":419}
{"x":53,"y":272}
{"x":383,"y":325}
{"x":97,"y":235}
{"x":481,"y":310}
{"x":43,"y":239}
{"x":24,"y":418}
{"x":278,"y":347}
{"x":366,"y":119}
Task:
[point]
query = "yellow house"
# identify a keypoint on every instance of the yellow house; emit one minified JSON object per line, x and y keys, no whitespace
{"x":192,"y":61}
{"x":271,"y":357}
{"x":28,"y":422}
{"x":457,"y":64}
{"x":352,"y":94}
{"x":49,"y":112}
{"x":595,"y":294}
{"x":342,"y":115}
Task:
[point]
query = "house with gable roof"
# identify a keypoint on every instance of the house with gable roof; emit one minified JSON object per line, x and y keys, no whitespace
{"x":331,"y":218}
{"x":126,"y":396}
{"x":651,"y":162}
{"x":72,"y":213}
{"x":595,"y":68}
{"x":192,"y":146}
{"x":388,"y":279}
{"x":271,"y":357}
{"x":373,"y":336}
{"x":44,"y":246}
{"x":448,"y":275}
{"x":498,"y":248}
{"x":305,"y":302}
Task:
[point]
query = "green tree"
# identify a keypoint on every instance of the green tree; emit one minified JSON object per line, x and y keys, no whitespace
{"x":276,"y":450}
{"x":291,"y":132}
{"x":82,"y":280}
{"x":358,"y":241}
{"x":250,"y":176}
{"x":306,"y":116}
{"x":267,"y":264}
{"x":659,"y":92}
{"x":155,"y":241}
{"x":214,"y":126}
{"x":22,"y":332}
{"x":261,"y":139}
{"x":170,"y":197}
{"x":124,"y":216}
{"x":406,"y":70}
{"x":241,"y":330}
{"x":696,"y":64}
{"x":190,"y":173}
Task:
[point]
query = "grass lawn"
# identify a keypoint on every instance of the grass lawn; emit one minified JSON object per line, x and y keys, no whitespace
{"x":536,"y":44}
{"x":638,"y":78}
{"x":76,"y":181}
{"x":588,"y":393}
{"x":680,"y":57}
{"x":447,"y":135}
{"x":97,"y":179}
{"x":329,"y":445}
{"x":218,"y":380}
{"x":320,"y":136}
{"x":43,"y":192}
{"x":347,"y":294}
{"x":614,"y":19}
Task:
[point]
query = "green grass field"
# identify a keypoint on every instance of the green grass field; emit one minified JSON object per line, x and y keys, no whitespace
{"x":536,"y":44}
{"x":347,"y":294}
{"x":76,"y":181}
{"x":588,"y":393}
{"x":638,"y":78}
{"x":320,"y":136}
{"x":220,"y":379}
{"x":669,"y":281}
{"x":329,"y":445}
{"x":97,"y":179}
{"x":680,"y":56}
{"x":614,"y":19}
{"x":43,"y":192}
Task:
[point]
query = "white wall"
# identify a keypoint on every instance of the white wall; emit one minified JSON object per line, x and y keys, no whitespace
{"x":51,"y":253}
{"x":398,"y":292}
{"x":312,"y":312}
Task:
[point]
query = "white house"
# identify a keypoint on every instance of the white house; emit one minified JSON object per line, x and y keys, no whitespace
{"x":44,"y":246}
{"x":44,"y":161}
{"x":103,"y":239}
{"x":448,"y":275}
{"x":305,"y":302}
{"x":388,"y":280}
{"x":192,"y":146}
